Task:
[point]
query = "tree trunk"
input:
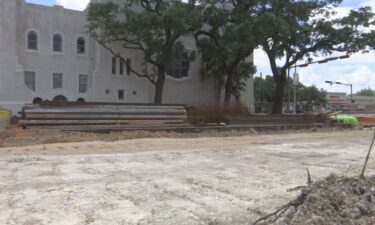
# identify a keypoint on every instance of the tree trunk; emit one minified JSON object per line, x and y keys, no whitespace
{"x":228,"y":91}
{"x":280,"y":81}
{"x":218,"y":94}
{"x":238,"y":98}
{"x":159,"y":86}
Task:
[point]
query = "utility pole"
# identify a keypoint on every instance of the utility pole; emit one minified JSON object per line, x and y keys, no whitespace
{"x":340,"y":83}
{"x":288,"y":87}
{"x":295,"y":99}
{"x":295,"y":83}
{"x":318,"y":62}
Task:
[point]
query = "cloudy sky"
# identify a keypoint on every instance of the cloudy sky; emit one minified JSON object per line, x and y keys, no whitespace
{"x":359,"y":69}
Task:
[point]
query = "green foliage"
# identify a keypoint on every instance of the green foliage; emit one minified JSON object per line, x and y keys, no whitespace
{"x":152,"y":27}
{"x":311,"y":94}
{"x":291,"y":30}
{"x":366,"y":92}
{"x":241,"y":74}
{"x":299,"y":30}
{"x":264,"y":89}
{"x":225,"y":43}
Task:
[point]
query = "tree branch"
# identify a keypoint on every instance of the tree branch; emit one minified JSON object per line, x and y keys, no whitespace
{"x":125,"y":61}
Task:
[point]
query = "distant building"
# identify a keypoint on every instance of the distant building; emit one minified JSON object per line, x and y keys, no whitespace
{"x":46,"y":53}
{"x":340,"y":101}
{"x":337,"y":101}
{"x":364,"y":104}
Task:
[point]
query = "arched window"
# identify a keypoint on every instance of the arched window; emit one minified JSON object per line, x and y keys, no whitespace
{"x":57,"y":43}
{"x":181,"y":67}
{"x":81,"y":100}
{"x":32,"y":40}
{"x":60,"y":99}
{"x":37,"y":100}
{"x":81,"y":45}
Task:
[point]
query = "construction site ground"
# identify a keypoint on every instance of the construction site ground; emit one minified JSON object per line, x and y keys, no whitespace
{"x":164,"y":178}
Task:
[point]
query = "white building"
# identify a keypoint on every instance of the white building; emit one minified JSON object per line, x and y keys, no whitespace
{"x":45,"y":52}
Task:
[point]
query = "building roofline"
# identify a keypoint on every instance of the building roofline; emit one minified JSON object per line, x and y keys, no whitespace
{"x":54,"y":7}
{"x":336,"y":93}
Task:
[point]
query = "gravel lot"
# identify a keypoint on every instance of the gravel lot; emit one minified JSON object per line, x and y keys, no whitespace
{"x":211,"y":180}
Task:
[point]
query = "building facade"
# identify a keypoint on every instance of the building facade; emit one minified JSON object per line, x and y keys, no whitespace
{"x":45,"y":53}
{"x":337,"y":101}
{"x":340,"y":101}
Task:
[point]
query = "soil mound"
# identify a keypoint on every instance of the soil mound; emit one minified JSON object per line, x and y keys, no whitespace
{"x":333,"y":201}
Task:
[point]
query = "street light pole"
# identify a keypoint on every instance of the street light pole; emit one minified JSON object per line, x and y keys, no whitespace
{"x":340,"y":83}
{"x":295,"y":83}
{"x":288,"y":87}
{"x":295,"y":99}
{"x":351,"y":90}
{"x":313,"y":62}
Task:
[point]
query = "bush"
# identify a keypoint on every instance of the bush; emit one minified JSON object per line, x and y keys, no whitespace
{"x":213,"y":113}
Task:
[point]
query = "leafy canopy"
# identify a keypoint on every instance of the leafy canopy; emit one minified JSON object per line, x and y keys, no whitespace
{"x":295,"y":30}
{"x":225,"y":42}
{"x":299,"y":30}
{"x":366,"y":92}
{"x":153,"y":27}
{"x":264,"y":89}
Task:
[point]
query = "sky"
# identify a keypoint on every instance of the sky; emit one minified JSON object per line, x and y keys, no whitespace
{"x":358,"y":70}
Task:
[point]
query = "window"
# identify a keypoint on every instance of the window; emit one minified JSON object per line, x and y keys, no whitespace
{"x":37,"y":100}
{"x":57,"y":80}
{"x":81,"y":45}
{"x":32,"y":40}
{"x":128,"y":66}
{"x":181,"y":67}
{"x":121,"y":66}
{"x":57,"y":43}
{"x":83,"y":83}
{"x":121,"y":94}
{"x":60,"y":99}
{"x":114,"y":62}
{"x":29,"y":78}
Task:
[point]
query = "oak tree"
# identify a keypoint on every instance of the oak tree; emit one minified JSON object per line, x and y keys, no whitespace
{"x":151,"y":27}
{"x":295,"y":30}
{"x":226,"y":43}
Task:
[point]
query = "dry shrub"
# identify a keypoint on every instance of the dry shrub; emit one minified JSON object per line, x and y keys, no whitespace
{"x":235,"y":108}
{"x":213,"y":113}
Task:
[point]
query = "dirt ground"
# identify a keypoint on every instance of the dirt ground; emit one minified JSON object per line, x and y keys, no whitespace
{"x":209,"y":180}
{"x":15,"y":136}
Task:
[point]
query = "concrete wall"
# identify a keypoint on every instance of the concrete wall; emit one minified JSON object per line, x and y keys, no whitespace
{"x":8,"y":59}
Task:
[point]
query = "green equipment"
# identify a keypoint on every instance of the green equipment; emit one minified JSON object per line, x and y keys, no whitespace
{"x":345,"y":119}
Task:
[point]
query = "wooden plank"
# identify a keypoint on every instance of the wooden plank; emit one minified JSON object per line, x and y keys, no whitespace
{"x":106,"y":106}
{"x":25,"y":122}
{"x":106,"y":116}
{"x":109,"y":106}
{"x":136,"y":106}
{"x":100,"y":107}
{"x":94,"y":127}
{"x":45,"y":103}
{"x":101,"y":116}
{"x":109,"y":110}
